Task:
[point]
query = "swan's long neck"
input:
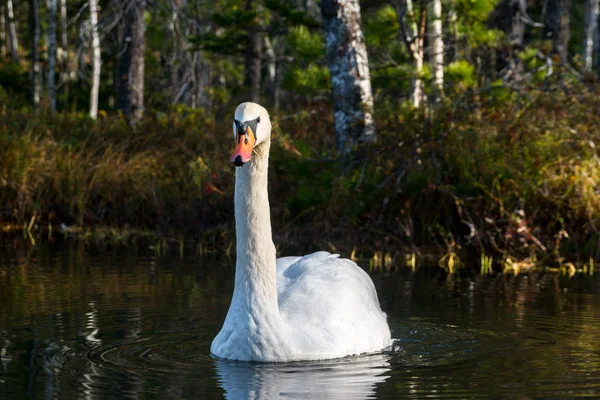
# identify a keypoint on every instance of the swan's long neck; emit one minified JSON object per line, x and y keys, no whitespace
{"x":255,"y":269}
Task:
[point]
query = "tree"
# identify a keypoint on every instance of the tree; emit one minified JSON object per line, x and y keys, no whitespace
{"x":507,"y":17}
{"x":253,"y":60}
{"x":596,"y":50}
{"x":96,"y":60}
{"x":558,"y":19}
{"x":349,"y":71}
{"x":35,"y":71}
{"x":63,"y":27}
{"x":64,"y":51}
{"x":51,"y":73}
{"x":590,"y":32}
{"x":12,"y":32}
{"x":511,"y":17}
{"x":413,"y":37}
{"x":3,"y":48}
{"x":436,"y":53}
{"x":272,"y":71}
{"x":130,"y":96}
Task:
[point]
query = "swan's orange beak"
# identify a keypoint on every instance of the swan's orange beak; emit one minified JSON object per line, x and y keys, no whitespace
{"x":243,"y":150}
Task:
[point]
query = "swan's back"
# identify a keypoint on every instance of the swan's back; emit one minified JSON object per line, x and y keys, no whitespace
{"x":330,"y":305}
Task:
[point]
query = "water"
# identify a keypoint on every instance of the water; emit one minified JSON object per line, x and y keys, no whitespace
{"x":124,"y":324}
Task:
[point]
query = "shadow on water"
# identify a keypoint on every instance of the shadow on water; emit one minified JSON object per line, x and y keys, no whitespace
{"x":79,"y":323}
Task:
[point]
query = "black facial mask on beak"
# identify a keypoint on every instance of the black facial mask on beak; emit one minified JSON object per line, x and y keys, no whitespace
{"x":242,"y":127}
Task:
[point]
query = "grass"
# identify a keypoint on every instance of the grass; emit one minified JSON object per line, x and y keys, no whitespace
{"x":507,"y":183}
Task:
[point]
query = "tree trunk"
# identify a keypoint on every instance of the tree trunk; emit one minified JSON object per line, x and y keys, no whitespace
{"x":507,"y":17}
{"x":272,"y":72}
{"x":413,"y":36}
{"x":12,"y":28}
{"x":203,"y":83}
{"x":3,"y":47}
{"x":437,"y":46}
{"x":131,"y":65}
{"x":557,"y":21}
{"x":204,"y":74}
{"x":253,"y":61}
{"x":596,"y":50}
{"x":96,"y":60}
{"x":63,"y":54}
{"x":349,"y":70}
{"x":312,"y":9}
{"x":35,"y":72}
{"x":590,"y":33}
{"x":50,"y":79}
{"x":63,"y":26}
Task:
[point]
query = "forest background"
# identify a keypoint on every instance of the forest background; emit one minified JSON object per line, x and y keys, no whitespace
{"x":405,"y":127}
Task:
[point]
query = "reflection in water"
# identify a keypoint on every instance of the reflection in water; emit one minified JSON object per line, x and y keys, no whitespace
{"x":78,"y":324}
{"x":91,"y":325}
{"x":349,"y":378}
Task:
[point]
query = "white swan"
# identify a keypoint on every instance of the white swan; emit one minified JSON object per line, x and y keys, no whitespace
{"x":294,"y":308}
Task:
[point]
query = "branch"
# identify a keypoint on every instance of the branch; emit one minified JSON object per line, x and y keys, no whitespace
{"x":525,"y":17}
{"x":400,"y":7}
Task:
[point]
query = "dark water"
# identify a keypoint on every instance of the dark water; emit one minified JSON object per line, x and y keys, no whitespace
{"x":125,"y":324}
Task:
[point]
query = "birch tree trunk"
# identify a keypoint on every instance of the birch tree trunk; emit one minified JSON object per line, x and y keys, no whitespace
{"x":35,"y":72}
{"x":96,"y":60}
{"x":349,"y":70}
{"x":272,"y":72}
{"x":590,"y":32}
{"x":63,"y":26}
{"x":3,"y":47}
{"x":130,"y":97}
{"x":437,"y":45}
{"x":50,"y":79}
{"x":413,"y":36}
{"x":596,"y":50}
{"x":63,"y":50}
{"x":12,"y":28}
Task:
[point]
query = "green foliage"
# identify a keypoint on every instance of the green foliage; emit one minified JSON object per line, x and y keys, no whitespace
{"x":392,"y":78}
{"x":501,"y":95}
{"x":532,"y":62}
{"x":472,"y":18}
{"x":311,"y":80}
{"x":292,"y":15}
{"x":306,"y":45}
{"x":14,"y":82}
{"x":382,"y":28}
{"x":460,"y":75}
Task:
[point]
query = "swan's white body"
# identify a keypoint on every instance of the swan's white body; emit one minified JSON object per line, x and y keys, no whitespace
{"x":295,"y":308}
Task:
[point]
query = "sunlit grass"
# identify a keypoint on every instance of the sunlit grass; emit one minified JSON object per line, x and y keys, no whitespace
{"x":450,"y":262}
{"x":486,"y":264}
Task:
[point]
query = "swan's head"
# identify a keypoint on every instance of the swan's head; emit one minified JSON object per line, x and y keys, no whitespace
{"x":251,"y":127}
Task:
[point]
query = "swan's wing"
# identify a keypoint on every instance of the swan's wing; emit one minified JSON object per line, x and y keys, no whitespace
{"x":282,"y":265}
{"x":332,"y":304}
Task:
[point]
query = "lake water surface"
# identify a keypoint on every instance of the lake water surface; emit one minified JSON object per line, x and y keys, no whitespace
{"x":78,"y":323}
